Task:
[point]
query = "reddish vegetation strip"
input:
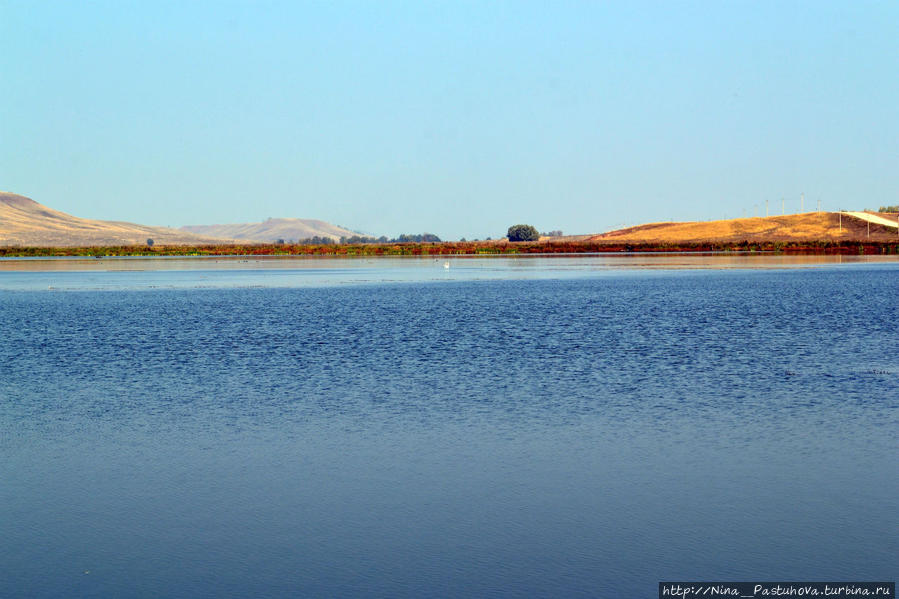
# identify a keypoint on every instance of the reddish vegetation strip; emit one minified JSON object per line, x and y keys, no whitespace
{"x":468,"y":248}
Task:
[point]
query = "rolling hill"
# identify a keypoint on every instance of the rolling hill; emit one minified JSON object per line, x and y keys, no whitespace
{"x":810,"y":226}
{"x":24,"y":222}
{"x":273,"y":229}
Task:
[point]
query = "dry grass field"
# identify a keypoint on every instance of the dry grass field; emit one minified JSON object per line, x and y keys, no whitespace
{"x":810,"y":226}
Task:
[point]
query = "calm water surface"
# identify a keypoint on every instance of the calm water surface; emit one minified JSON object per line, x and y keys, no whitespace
{"x":582,"y":429}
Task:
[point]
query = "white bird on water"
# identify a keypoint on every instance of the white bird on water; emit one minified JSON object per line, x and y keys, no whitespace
{"x":446,"y":264}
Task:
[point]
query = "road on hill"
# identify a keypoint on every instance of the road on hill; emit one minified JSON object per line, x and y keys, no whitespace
{"x":876,"y":219}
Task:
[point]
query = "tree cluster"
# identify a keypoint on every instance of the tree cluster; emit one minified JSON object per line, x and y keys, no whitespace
{"x":523,"y":233}
{"x":317,"y":240}
{"x":403,"y":238}
{"x":420,"y":238}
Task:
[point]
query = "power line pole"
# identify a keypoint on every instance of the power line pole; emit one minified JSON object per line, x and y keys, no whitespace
{"x":766,"y":208}
{"x":801,"y":203}
{"x":783,"y":206}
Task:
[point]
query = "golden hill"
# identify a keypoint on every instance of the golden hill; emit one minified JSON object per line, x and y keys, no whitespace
{"x":810,"y":226}
{"x":24,"y":222}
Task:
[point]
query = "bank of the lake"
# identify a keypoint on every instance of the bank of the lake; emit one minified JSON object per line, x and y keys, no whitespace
{"x":845,"y":247}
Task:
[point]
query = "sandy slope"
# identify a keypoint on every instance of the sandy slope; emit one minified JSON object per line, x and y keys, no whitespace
{"x":273,"y":229}
{"x":810,"y":226}
{"x":24,"y":222}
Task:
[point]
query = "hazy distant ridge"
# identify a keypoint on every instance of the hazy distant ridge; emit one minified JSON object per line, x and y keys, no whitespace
{"x":273,"y":229}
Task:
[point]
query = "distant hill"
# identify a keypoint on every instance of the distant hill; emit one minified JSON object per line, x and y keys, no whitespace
{"x":810,"y":226}
{"x":24,"y":222}
{"x":273,"y":229}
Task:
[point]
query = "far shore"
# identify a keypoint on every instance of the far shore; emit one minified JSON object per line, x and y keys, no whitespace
{"x":450,"y":248}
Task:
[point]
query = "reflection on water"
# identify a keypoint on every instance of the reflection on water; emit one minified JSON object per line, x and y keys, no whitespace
{"x":292,"y":271}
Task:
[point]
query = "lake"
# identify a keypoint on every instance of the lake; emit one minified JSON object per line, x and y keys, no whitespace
{"x":533,"y":426}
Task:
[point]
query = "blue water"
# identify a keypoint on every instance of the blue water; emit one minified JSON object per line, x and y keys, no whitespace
{"x":565,"y":436}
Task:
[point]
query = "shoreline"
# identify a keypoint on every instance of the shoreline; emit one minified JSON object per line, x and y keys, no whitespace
{"x":449,"y":248}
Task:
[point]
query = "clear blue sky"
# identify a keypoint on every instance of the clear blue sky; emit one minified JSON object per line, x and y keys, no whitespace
{"x":455,"y":118}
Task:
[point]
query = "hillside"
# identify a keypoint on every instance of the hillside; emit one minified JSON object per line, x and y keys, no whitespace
{"x":24,"y":222}
{"x":810,"y":226}
{"x":273,"y":229}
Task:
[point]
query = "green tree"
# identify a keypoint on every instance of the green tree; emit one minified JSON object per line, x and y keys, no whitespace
{"x":523,"y":233}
